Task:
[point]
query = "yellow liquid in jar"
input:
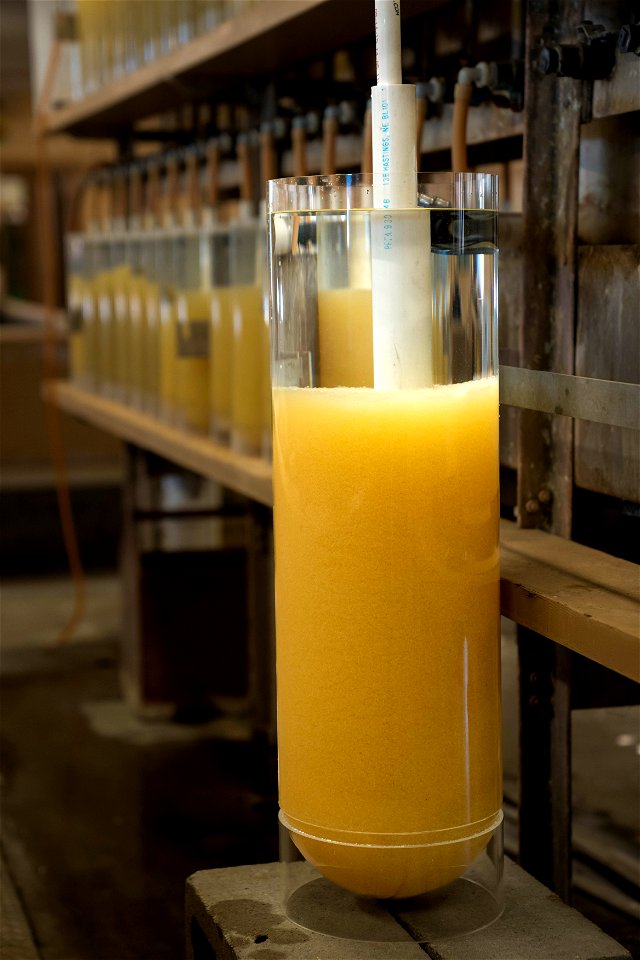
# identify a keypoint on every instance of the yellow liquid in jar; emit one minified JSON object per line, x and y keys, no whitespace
{"x":265,"y":387}
{"x":221,"y":359}
{"x":91,"y":324}
{"x":247,"y":369}
{"x":387,"y":626}
{"x":78,"y":362}
{"x":122,"y":372}
{"x":151,"y":347}
{"x":192,"y":358}
{"x":137,"y":340}
{"x":167,"y":354}
{"x":345,"y":332}
{"x":105,"y":311}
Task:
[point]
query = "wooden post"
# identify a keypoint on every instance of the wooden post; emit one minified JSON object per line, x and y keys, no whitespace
{"x":545,"y":458}
{"x":545,"y":760}
{"x":551,"y":147}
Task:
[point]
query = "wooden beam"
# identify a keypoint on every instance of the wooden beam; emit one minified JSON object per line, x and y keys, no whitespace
{"x":485,"y":123}
{"x":30,"y":320}
{"x":579,"y":597}
{"x":551,"y":148}
{"x":607,"y":458}
{"x":545,"y":741}
{"x":583,"y":398}
{"x":250,"y":476}
{"x":621,"y":93}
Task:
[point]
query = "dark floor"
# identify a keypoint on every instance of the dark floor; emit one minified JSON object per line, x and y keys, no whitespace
{"x":105,"y":815}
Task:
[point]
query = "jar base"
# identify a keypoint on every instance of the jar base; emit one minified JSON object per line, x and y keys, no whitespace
{"x":468,"y":904}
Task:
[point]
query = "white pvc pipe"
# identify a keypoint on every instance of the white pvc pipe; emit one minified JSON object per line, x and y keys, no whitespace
{"x":400,"y":242}
{"x":388,"y":48}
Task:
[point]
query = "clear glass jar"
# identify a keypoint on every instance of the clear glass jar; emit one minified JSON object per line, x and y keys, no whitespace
{"x":106,"y":259}
{"x":76,"y":290}
{"x":221,"y":334}
{"x":167,"y":293}
{"x":147,"y":307}
{"x":192,"y":332}
{"x":386,"y":497}
{"x":250,"y":406}
{"x":90,"y":313}
{"x":118,"y":286}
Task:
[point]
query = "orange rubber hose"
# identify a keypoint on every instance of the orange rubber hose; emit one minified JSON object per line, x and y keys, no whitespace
{"x":461,"y":98}
{"x":50,"y":371}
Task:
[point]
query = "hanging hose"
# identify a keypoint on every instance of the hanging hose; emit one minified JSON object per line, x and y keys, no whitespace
{"x":461,"y":98}
{"x":299,"y":146}
{"x":50,"y":372}
{"x":329,"y":140}
{"x":480,"y":75}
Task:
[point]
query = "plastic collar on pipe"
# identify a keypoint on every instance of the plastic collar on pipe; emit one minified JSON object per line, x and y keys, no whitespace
{"x":480,"y":75}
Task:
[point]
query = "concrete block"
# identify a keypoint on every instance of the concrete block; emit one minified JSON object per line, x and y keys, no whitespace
{"x":236,"y":914}
{"x":535,"y":925}
{"x":239,"y":913}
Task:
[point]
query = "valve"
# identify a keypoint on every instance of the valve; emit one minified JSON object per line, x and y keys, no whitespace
{"x":503,"y":82}
{"x":629,"y":39}
{"x":590,"y":57}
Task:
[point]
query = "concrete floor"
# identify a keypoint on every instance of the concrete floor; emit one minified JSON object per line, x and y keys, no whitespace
{"x":105,"y":815}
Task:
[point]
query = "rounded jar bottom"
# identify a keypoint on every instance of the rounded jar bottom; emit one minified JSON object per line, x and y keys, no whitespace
{"x":385,"y":893}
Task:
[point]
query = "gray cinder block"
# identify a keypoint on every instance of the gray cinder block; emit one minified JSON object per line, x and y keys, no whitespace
{"x":236,"y":914}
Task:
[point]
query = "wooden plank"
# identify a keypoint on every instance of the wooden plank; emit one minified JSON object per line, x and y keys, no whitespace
{"x":545,"y":755}
{"x":609,"y":196}
{"x":621,"y":93}
{"x":250,"y":476}
{"x":583,"y":398}
{"x":30,"y":321}
{"x":578,"y":597}
{"x":95,"y":473}
{"x":607,"y":459}
{"x":20,"y":153}
{"x":485,"y":123}
{"x":511,"y":309}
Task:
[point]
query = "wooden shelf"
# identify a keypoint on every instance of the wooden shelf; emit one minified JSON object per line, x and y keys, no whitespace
{"x":254,"y":44}
{"x":485,"y":123}
{"x":580,"y":598}
{"x":27,"y":321}
{"x":95,"y":473}
{"x":250,"y":476}
{"x":620,"y":94}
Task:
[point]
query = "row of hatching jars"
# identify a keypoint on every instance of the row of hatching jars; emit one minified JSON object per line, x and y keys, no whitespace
{"x":116,"y":37}
{"x":174,"y":322}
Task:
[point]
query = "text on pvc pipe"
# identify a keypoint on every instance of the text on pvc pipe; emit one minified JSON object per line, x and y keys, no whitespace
{"x":386,"y":141}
